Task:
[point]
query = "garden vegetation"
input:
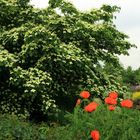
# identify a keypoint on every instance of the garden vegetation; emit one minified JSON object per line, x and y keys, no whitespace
{"x":47,"y":57}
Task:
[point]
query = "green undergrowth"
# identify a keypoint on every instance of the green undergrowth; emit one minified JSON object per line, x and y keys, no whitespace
{"x":13,"y":128}
{"x":121,"y":124}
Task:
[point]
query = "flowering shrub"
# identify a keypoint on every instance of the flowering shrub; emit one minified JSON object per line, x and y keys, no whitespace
{"x":47,"y":57}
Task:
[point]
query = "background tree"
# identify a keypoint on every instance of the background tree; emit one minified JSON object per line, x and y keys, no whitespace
{"x":131,"y":77}
{"x":48,"y":57}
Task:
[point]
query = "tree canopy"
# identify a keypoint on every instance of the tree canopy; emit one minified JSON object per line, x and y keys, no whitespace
{"x":47,"y":57}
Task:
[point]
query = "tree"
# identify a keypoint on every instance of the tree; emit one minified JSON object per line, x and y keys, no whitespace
{"x":48,"y":57}
{"x":131,"y":77}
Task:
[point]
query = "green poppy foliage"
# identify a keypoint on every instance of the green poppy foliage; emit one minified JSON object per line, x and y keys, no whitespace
{"x":47,"y":56}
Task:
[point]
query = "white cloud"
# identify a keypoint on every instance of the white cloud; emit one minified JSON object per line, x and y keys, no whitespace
{"x":128,"y":21}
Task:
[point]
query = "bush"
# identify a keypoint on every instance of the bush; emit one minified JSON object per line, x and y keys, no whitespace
{"x":12,"y":128}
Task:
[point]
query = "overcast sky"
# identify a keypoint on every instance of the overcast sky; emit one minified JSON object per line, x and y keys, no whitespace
{"x":128,"y":21}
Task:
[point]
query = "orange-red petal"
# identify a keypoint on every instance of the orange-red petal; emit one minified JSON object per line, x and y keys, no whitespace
{"x":110,"y":101}
{"x":127,"y":103}
{"x":113,"y":94}
{"x":95,"y":135}
{"x":111,"y":107}
{"x":91,"y":107}
{"x":78,"y":102}
{"x":85,"y":94}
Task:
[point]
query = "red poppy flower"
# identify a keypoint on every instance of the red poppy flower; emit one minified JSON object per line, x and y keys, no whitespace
{"x":85,"y":94}
{"x":91,"y":107}
{"x":113,"y":95}
{"x":111,"y":107}
{"x":111,"y":101}
{"x":95,"y":135}
{"x":127,"y":103}
{"x":78,"y":102}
